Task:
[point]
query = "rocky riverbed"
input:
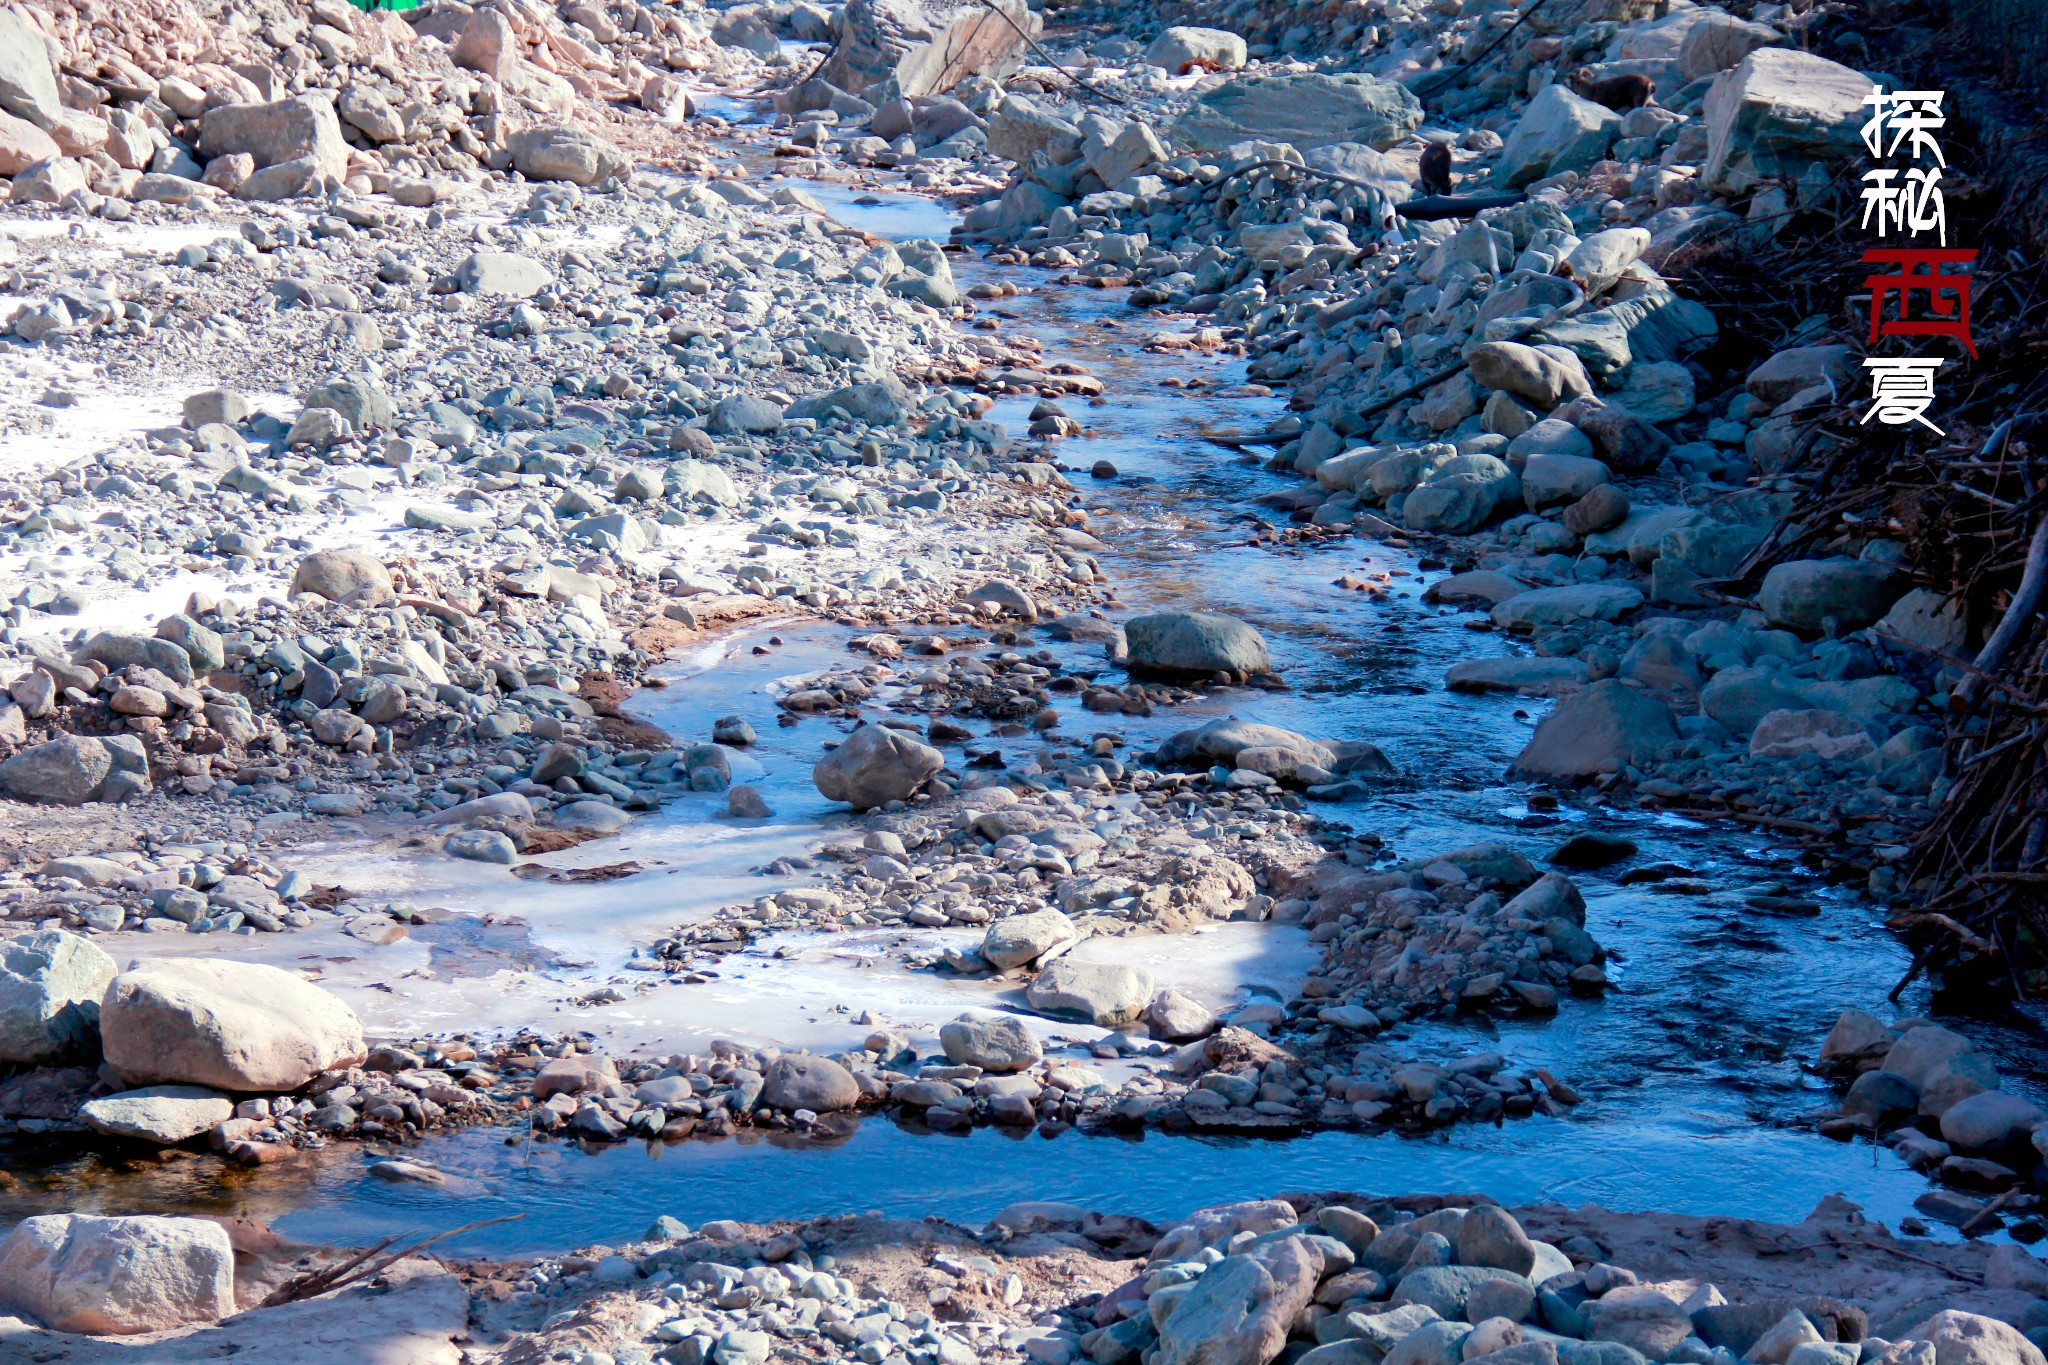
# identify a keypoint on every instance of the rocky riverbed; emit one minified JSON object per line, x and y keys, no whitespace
{"x":405,"y":416}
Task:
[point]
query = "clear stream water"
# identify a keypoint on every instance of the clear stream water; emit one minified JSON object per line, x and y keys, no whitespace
{"x":1692,"y":1064}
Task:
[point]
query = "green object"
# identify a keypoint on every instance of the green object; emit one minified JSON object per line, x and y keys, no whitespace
{"x":385,"y":4}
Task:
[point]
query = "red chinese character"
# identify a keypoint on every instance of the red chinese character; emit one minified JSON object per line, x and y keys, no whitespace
{"x":1921,"y":271}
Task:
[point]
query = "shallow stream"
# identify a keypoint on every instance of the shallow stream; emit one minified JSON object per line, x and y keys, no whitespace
{"x":1692,"y":1064}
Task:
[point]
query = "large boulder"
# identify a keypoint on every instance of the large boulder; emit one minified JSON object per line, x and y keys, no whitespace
{"x":870,"y":39}
{"x":1920,"y":1050}
{"x":1239,"y":1313}
{"x":562,"y":152}
{"x":1566,"y":604}
{"x":335,"y":574}
{"x":50,"y":988}
{"x":1790,"y":734}
{"x":1110,"y":995}
{"x":1021,"y":128}
{"x":1460,"y":495}
{"x":1638,"y":1317}
{"x":28,"y":82}
{"x":230,"y":1025}
{"x":1488,"y":1235}
{"x":121,"y":649}
{"x":1195,"y":642}
{"x":1303,"y":111}
{"x":799,"y":1080}
{"x":1555,"y":480}
{"x":1542,"y":376}
{"x":1020,"y":939}
{"x":359,"y":398}
{"x":1740,"y":697}
{"x":65,"y":771}
{"x":1799,"y":368}
{"x":1230,"y":740}
{"x":1990,"y":1121}
{"x":1594,"y":731}
{"x":1925,"y":619}
{"x":23,"y":145}
{"x":988,"y":41}
{"x":79,"y":1273}
{"x":1559,"y":131}
{"x":301,"y":128}
{"x":1718,"y":41}
{"x":1001,"y":1044}
{"x":502,"y":275}
{"x":1961,"y":1338}
{"x":875,"y":765}
{"x":1778,"y":113}
{"x":1804,"y":594}
{"x":1180,"y":49}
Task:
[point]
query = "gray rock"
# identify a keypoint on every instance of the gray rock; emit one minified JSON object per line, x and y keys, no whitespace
{"x":50,"y":988}
{"x":1990,"y":1121}
{"x":302,"y":128}
{"x":66,"y":771}
{"x":1239,"y":1313}
{"x":1445,"y":1288}
{"x":1566,"y":605}
{"x":1924,"y":619}
{"x":1639,"y":1318}
{"x":875,"y":765}
{"x":1538,"y":677}
{"x":1718,"y":41}
{"x":560,"y":152}
{"x":1001,"y":1044}
{"x":120,"y":649}
{"x":482,"y":846}
{"x":502,"y":275}
{"x":362,"y":401}
{"x":1017,"y":940}
{"x":79,"y":1273}
{"x":1489,"y":1235}
{"x":237,"y":1026}
{"x":1879,"y":1096}
{"x":1789,"y":734}
{"x":1554,"y":480}
{"x":1858,"y":1039}
{"x":799,"y":1080}
{"x":163,"y":1114}
{"x":1805,"y":594}
{"x":1778,"y":113}
{"x":1740,"y":698}
{"x":1559,"y":131}
{"x":1542,"y":376}
{"x":28,"y":83}
{"x":1179,"y":1018}
{"x":743,"y":414}
{"x":1919,"y":1050}
{"x":1594,"y":731}
{"x":1180,"y":47}
{"x":1302,"y":111}
{"x":1195,"y":642}
{"x":1961,"y":1338}
{"x":1109,"y":995}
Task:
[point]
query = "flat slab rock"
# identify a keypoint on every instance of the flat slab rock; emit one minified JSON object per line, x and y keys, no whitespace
{"x":414,"y":1321}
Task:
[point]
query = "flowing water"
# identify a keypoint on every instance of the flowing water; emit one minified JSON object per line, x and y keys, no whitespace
{"x":1692,"y":1064}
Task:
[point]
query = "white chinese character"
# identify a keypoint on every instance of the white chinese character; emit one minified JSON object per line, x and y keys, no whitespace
{"x":1915,"y":206}
{"x":1925,"y":208}
{"x":1908,"y":114}
{"x":1903,"y":388}
{"x":1884,"y":201}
